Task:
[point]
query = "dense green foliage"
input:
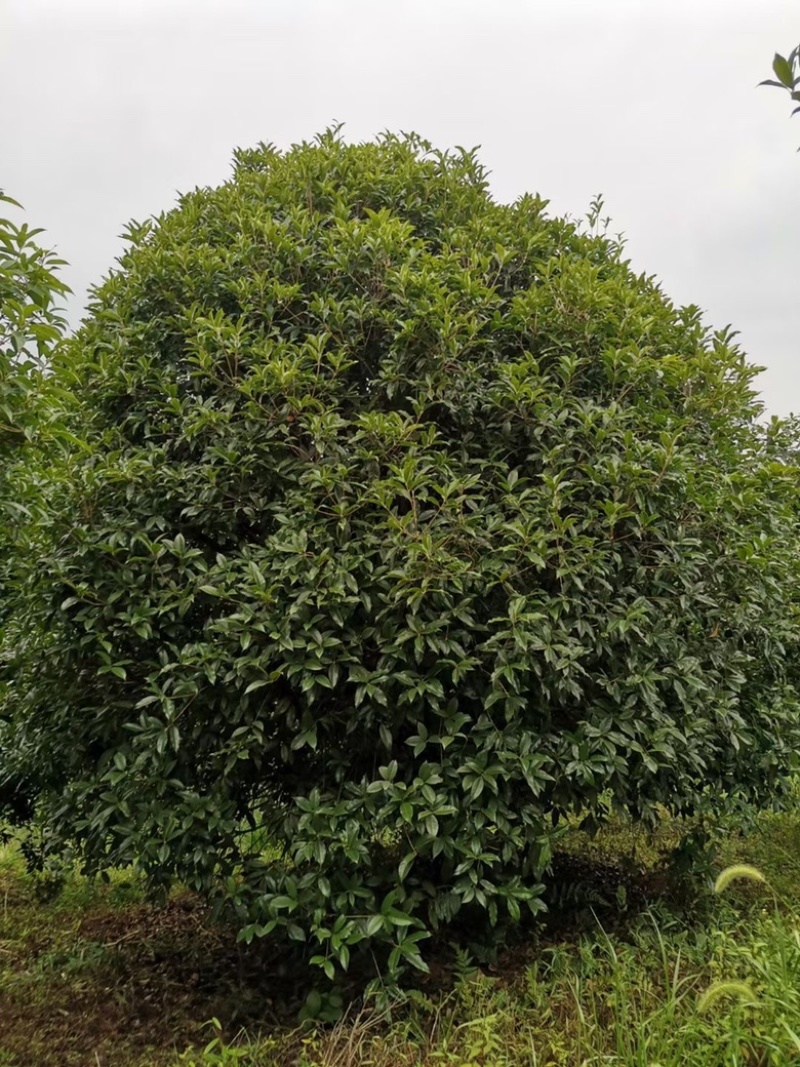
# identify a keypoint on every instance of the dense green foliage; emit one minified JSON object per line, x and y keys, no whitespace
{"x":405,"y":525}
{"x":31,"y":325}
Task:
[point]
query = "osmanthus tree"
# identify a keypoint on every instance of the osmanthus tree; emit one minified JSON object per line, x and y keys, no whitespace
{"x":31,"y":326}
{"x":405,"y":525}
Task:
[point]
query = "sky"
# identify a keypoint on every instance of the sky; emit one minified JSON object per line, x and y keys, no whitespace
{"x":110,"y":108}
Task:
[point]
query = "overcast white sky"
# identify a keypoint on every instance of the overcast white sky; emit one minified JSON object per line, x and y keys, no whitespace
{"x":111,"y":107}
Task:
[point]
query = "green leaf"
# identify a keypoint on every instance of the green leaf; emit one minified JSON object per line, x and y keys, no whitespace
{"x":259,"y":683}
{"x":405,"y":866}
{"x":783,"y":71}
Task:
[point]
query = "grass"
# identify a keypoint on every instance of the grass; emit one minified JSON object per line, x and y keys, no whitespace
{"x":100,"y":977}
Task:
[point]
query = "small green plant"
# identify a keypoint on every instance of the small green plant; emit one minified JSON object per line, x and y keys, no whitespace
{"x":218,"y":1053}
{"x":322,"y":1006}
{"x":76,"y":959}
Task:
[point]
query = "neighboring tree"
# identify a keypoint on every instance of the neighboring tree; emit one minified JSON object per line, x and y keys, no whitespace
{"x":787,"y":73}
{"x":31,"y":325}
{"x":406,"y":526}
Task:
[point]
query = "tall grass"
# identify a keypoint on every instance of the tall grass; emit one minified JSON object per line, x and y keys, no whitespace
{"x":664,"y":994}
{"x":604,"y":1001}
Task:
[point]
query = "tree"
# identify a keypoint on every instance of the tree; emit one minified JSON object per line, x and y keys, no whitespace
{"x":31,"y":325}
{"x":405,"y":525}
